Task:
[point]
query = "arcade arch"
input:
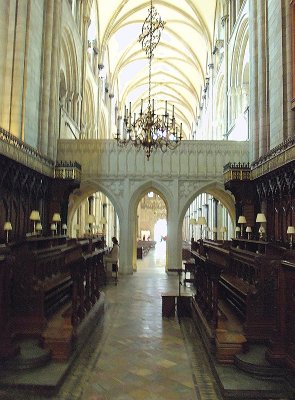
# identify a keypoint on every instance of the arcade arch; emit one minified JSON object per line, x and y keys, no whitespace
{"x":125,"y":196}
{"x":217,"y":216}
{"x":94,"y":214}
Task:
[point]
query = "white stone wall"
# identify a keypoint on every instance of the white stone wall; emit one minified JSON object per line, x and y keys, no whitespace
{"x":276,"y":72}
{"x":279,"y":43}
{"x":33,"y":73}
{"x":4,"y":18}
{"x":20,"y":67}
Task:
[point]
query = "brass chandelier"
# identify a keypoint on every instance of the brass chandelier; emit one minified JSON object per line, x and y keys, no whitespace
{"x":149,"y":130}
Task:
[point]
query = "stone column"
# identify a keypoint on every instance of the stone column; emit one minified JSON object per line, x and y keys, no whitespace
{"x":278,"y":46}
{"x":78,"y":103}
{"x":290,"y":71}
{"x":215,"y":216}
{"x":90,"y":205}
{"x":174,"y":241}
{"x":86,"y":21}
{"x":291,"y":17}
{"x":232,"y":13}
{"x":110,"y":112}
{"x":4,"y":18}
{"x":253,"y":90}
{"x":18,"y":67}
{"x":224,"y":23}
{"x":233,"y":105}
{"x":263,"y":77}
{"x":54,"y":83}
{"x":210,"y":87}
{"x":46,"y":78}
{"x":100,"y":93}
{"x":128,"y":236}
{"x":69,"y":102}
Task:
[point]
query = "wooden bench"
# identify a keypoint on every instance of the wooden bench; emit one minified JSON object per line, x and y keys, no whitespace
{"x":234,"y":290}
{"x":144,"y":246}
{"x":172,"y":301}
{"x":241,"y":275}
{"x":56,"y":286}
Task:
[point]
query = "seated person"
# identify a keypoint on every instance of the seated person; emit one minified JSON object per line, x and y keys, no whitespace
{"x":111,"y":258}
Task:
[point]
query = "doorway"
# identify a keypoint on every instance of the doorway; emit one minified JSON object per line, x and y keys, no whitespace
{"x":152,"y":229}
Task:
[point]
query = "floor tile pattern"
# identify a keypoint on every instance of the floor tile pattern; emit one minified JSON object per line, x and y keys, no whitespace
{"x":134,"y":353}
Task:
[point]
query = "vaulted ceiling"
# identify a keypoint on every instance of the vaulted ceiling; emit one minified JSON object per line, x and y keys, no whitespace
{"x":180,"y":62}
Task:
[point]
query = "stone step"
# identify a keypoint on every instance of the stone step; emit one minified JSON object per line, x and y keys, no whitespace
{"x":233,"y":383}
{"x":48,"y":379}
{"x":239,"y":385}
{"x":31,"y":356}
{"x":255,"y":363}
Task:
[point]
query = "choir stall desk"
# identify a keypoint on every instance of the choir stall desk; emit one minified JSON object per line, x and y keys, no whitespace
{"x":174,"y":300}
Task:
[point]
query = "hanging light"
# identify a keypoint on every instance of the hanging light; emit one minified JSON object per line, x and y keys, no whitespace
{"x":149,"y":130}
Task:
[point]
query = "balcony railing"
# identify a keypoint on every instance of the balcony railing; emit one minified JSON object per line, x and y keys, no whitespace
{"x":275,"y":158}
{"x":14,"y":148}
{"x":236,"y":171}
{"x":67,"y":170}
{"x":11,"y":140}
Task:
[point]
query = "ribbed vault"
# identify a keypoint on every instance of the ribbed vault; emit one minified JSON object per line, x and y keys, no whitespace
{"x":180,"y":63}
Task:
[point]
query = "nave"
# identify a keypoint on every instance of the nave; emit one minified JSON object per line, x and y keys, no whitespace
{"x":135,"y":354}
{"x":141,"y":355}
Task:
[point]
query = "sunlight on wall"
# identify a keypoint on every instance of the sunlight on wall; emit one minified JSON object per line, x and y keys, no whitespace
{"x":240,"y":130}
{"x":160,"y":230}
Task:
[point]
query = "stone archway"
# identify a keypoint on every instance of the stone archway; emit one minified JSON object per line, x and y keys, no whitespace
{"x":126,"y":203}
{"x":125,"y":175}
{"x":143,"y":188}
{"x":150,"y":210}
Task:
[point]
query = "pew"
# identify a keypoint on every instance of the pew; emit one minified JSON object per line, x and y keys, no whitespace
{"x":281,"y":350}
{"x":253,"y":299}
{"x":251,"y":276}
{"x":205,"y":304}
{"x":56,"y":285}
{"x":41,"y":280}
{"x":144,"y":246}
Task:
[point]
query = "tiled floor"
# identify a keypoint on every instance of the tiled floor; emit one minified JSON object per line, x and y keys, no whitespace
{"x":135,"y":354}
{"x":141,"y":355}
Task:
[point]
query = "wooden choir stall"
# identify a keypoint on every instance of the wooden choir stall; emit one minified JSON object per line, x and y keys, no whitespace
{"x":244,"y":295}
{"x":51,"y":291}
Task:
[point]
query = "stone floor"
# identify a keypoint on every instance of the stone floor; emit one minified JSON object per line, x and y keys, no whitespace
{"x":134,"y":353}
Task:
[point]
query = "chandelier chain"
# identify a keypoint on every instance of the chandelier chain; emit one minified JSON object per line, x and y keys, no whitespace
{"x":149,"y":130}
{"x":150,"y":73}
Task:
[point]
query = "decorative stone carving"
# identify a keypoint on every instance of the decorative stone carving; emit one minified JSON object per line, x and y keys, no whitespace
{"x":116,"y":187}
{"x":187,"y":189}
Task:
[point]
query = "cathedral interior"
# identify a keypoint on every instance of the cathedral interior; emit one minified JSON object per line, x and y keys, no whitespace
{"x":169,"y":126}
